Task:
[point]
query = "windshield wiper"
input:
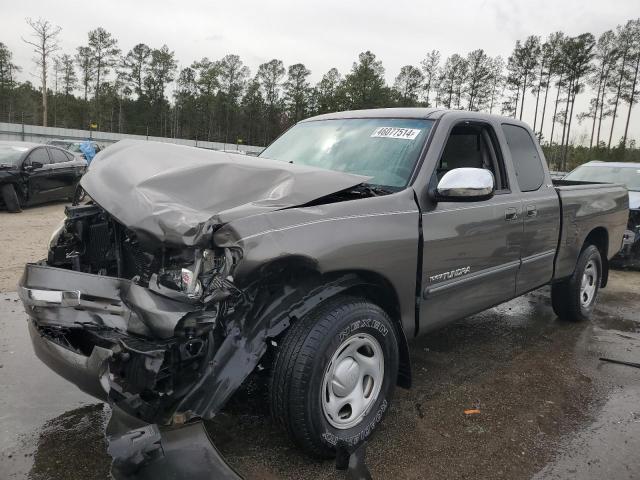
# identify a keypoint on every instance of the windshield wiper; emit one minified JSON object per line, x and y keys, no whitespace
{"x":372,"y":189}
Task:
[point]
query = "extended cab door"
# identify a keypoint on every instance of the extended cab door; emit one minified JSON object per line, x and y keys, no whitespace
{"x":471,"y":249}
{"x":540,"y":209}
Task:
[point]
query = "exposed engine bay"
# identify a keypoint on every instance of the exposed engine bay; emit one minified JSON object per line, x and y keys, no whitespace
{"x":150,"y":368}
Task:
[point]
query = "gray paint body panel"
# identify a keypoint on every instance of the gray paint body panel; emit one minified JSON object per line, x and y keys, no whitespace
{"x":402,"y":242}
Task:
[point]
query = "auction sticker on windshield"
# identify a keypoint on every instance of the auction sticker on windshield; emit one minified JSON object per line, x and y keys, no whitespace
{"x":395,"y":132}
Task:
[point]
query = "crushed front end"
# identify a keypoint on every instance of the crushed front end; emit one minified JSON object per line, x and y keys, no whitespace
{"x":129,"y":322}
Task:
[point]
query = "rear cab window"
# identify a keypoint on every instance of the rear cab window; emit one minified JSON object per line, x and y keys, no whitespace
{"x":524,"y":155}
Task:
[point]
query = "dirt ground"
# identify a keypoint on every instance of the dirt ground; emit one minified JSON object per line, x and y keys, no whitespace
{"x":23,"y":238}
{"x":549,"y":408}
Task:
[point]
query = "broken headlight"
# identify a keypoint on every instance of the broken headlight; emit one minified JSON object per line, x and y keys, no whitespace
{"x":207,"y":279}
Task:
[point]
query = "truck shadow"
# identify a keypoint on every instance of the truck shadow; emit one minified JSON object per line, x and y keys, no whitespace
{"x":516,"y":363}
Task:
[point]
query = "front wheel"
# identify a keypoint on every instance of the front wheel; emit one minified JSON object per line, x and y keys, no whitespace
{"x":79,"y":195}
{"x":575,"y":298}
{"x":334,"y":375}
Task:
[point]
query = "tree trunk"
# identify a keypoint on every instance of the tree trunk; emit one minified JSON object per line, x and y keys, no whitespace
{"x":97,"y":95}
{"x":535,"y":115}
{"x":631,"y":98}
{"x":524,"y":93}
{"x":566,"y":114}
{"x":45,"y":109}
{"x":544,"y":105}
{"x":566,"y":146}
{"x":555,"y":110}
{"x":615,"y":105}
{"x":595,"y":110}
{"x":493,"y":96}
{"x":120,"y":115}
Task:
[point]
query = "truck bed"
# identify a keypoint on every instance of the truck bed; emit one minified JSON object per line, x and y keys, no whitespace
{"x":589,"y":208}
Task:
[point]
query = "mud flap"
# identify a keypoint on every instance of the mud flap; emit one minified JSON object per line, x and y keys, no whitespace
{"x":353,"y":462}
{"x":149,"y":452}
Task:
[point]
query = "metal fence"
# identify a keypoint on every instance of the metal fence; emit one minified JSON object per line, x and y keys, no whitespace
{"x":34,"y":133}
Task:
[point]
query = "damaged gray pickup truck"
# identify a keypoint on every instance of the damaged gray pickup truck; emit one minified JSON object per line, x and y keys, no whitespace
{"x":352,"y":233}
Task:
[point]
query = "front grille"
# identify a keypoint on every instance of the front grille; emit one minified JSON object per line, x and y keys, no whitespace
{"x":137,"y":262}
{"x":98,"y":244}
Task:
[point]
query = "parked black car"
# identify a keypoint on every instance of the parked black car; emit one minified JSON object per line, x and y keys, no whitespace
{"x":31,"y":173}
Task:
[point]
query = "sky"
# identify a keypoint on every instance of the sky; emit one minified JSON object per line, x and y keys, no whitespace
{"x":321,"y":35}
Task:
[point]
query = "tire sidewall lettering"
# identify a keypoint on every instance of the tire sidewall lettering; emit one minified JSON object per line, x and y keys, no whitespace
{"x":364,"y":323}
{"x":354,"y":440}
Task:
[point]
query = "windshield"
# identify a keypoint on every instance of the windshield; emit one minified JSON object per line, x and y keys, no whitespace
{"x":628,"y":176}
{"x":385,"y":149}
{"x":10,"y":155}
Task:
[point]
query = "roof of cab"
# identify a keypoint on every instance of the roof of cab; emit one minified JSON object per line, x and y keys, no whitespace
{"x":416,"y":112}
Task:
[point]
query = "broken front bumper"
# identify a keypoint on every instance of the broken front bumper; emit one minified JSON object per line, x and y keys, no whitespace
{"x":139,"y":450}
{"x":82,"y":302}
{"x":86,"y":372}
{"x":115,"y":339}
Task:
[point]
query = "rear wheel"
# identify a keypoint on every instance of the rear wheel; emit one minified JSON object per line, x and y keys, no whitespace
{"x":10,"y":198}
{"x":575,"y":298}
{"x":334,"y":375}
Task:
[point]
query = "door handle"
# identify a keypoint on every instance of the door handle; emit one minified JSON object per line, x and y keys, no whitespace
{"x":532,"y":211}
{"x":511,"y":213}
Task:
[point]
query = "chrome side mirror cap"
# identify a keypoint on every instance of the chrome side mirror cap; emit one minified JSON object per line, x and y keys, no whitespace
{"x":469,"y":184}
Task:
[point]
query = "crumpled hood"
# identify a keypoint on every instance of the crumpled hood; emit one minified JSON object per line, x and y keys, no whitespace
{"x":634,"y":200}
{"x":177,"y":194}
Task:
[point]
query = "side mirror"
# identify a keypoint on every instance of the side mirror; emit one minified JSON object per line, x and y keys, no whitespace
{"x":466,"y":184}
{"x":35,"y":165}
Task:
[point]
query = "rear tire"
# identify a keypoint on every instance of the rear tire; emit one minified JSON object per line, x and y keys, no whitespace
{"x":10,"y":198}
{"x":334,"y":375}
{"x":575,"y":297}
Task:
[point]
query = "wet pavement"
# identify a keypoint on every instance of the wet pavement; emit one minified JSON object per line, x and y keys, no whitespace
{"x":549,"y":408}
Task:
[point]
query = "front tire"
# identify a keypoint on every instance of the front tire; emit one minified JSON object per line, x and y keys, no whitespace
{"x":334,"y":375}
{"x":79,"y":195}
{"x":10,"y":198}
{"x":575,"y":297}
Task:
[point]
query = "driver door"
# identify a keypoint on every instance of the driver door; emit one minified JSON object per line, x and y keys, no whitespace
{"x":471,"y":249}
{"x":38,"y":184}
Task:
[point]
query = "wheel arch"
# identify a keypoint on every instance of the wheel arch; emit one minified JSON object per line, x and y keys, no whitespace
{"x":305,"y":287}
{"x":599,"y":238}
